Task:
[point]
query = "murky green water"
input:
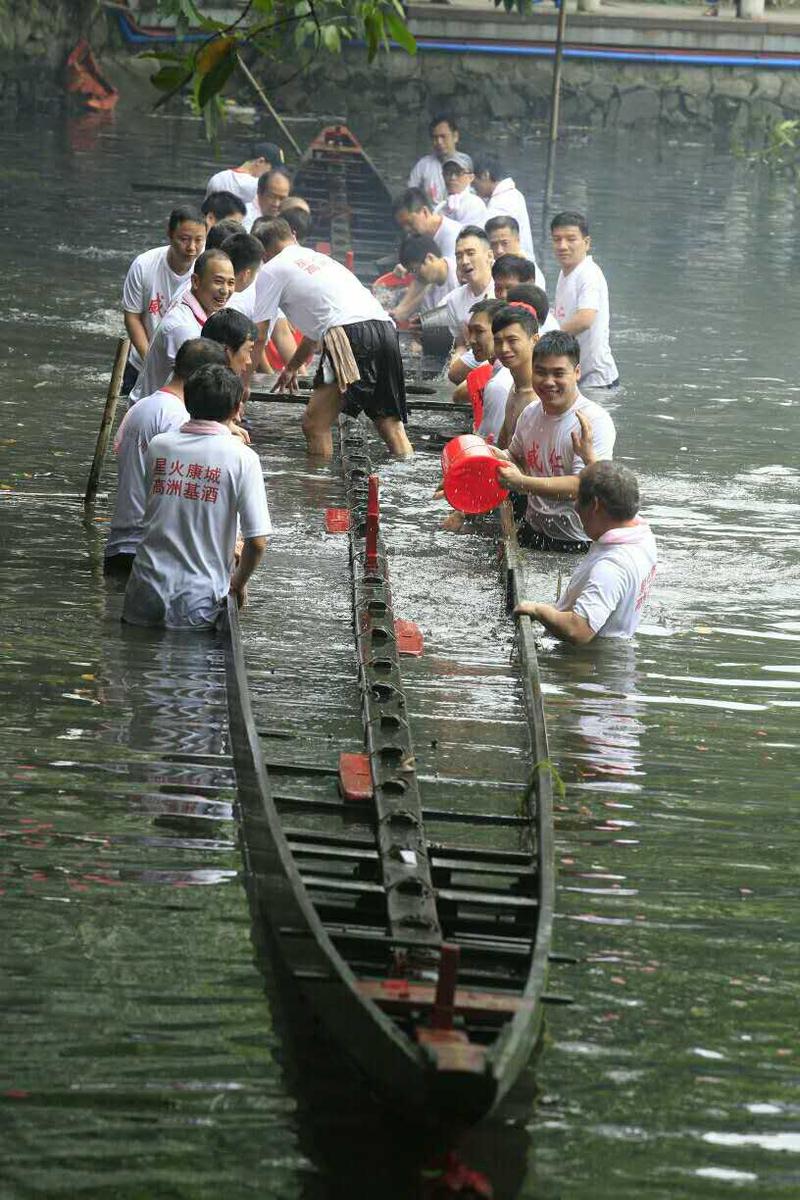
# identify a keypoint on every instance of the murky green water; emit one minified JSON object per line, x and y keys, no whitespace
{"x":140,"y":1057}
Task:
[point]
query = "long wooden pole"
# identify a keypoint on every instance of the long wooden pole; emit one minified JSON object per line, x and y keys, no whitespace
{"x":107,"y":423}
{"x":265,"y":101}
{"x":555,"y":104}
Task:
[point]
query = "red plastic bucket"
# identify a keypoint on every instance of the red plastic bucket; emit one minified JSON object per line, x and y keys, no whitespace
{"x":469,"y":471}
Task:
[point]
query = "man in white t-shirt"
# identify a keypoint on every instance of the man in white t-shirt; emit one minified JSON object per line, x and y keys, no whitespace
{"x":544,"y":453}
{"x":462,"y":204}
{"x":503,"y":235}
{"x":159,"y":413}
{"x":200,"y":482}
{"x":434,"y":273}
{"x":243,"y":180}
{"x":360,"y":368}
{"x":155,"y":279}
{"x":221,"y":206}
{"x":581,"y":301}
{"x":414,"y":213}
{"x":212,"y":285}
{"x":606,"y":592}
{"x":502,"y":196}
{"x":426,"y":174}
{"x":474,"y":269}
{"x":273,"y":188}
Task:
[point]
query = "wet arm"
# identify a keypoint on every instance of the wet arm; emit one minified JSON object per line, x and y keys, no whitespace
{"x":135,"y":328}
{"x":579,"y":322}
{"x":566,"y":625}
{"x":252,"y":553}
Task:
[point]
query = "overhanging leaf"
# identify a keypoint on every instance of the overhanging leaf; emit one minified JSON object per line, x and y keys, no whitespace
{"x":168,"y":79}
{"x":212,"y":53}
{"x":214,"y":81}
{"x":400,"y":32}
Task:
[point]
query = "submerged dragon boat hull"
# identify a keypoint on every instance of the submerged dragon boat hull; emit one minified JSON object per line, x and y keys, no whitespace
{"x":425,"y":960}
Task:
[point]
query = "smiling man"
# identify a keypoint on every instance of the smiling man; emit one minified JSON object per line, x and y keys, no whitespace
{"x":155,"y":279}
{"x":581,"y":304}
{"x":515,"y":330}
{"x":546,"y":448}
{"x":212,"y":285}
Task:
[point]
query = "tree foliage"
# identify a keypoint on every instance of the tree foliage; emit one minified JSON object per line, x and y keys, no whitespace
{"x":288,"y":31}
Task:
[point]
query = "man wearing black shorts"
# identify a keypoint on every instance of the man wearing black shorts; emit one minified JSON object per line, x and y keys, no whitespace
{"x":360,"y":368}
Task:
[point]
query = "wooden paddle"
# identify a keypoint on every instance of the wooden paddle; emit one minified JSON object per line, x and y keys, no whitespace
{"x":107,"y":422}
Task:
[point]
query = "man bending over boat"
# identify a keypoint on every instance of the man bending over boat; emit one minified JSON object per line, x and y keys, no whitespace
{"x":546,"y":446}
{"x":200,"y":480}
{"x":606,"y":593}
{"x":360,"y":368}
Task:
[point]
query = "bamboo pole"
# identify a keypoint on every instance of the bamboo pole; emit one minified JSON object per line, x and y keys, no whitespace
{"x":555,"y":104}
{"x":265,"y":101}
{"x":107,"y":422}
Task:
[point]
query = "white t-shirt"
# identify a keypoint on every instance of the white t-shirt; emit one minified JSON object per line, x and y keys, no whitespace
{"x":199,"y":480}
{"x":244,"y":302}
{"x":609,"y":588}
{"x":464,"y":207}
{"x":252,"y":213}
{"x":184,"y":320}
{"x":586,"y":287}
{"x":427,"y":175}
{"x":542,"y":443}
{"x":459,"y":302}
{"x":550,"y":323}
{"x":495,"y":395}
{"x":445,"y":237}
{"x":150,"y":289}
{"x":240,"y":183}
{"x":314,"y":291}
{"x":436,"y":293}
{"x":507,"y":199}
{"x":154,"y":414}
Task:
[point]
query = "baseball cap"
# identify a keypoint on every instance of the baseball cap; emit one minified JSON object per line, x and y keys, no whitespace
{"x":462,"y":161}
{"x":270,"y":151}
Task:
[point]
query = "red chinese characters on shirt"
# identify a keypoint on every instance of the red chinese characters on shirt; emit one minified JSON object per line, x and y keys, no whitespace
{"x":202,"y":490}
{"x":156,"y":305}
{"x":306,"y":265}
{"x":644,"y":589}
{"x":555,"y":462}
{"x":533,"y":459}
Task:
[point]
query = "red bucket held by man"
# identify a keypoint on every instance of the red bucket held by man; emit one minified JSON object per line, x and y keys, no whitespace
{"x":469,"y":475}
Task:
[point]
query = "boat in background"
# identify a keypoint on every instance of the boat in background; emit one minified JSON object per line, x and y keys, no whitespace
{"x":351,"y":206}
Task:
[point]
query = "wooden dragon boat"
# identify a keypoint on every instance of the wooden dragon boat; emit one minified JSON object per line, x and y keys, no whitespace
{"x":424,"y":956}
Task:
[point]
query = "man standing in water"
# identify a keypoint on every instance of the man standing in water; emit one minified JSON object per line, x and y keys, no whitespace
{"x":360,"y":368}
{"x":426,"y":174}
{"x":213,"y":283}
{"x":414,"y":213}
{"x":474,"y":268}
{"x":155,"y":279}
{"x":503,"y":197}
{"x":581,"y":304}
{"x":242,"y":181}
{"x":159,"y":413}
{"x":546,"y":446}
{"x":606,"y":593}
{"x":273,"y":188}
{"x":201,"y":481}
{"x":462,"y":204}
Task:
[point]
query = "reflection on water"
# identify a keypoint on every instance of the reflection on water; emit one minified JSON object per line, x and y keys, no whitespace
{"x":141,"y":1057}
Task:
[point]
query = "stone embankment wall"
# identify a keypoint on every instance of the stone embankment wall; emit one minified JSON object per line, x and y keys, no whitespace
{"x":35,"y":38}
{"x":517,"y":90}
